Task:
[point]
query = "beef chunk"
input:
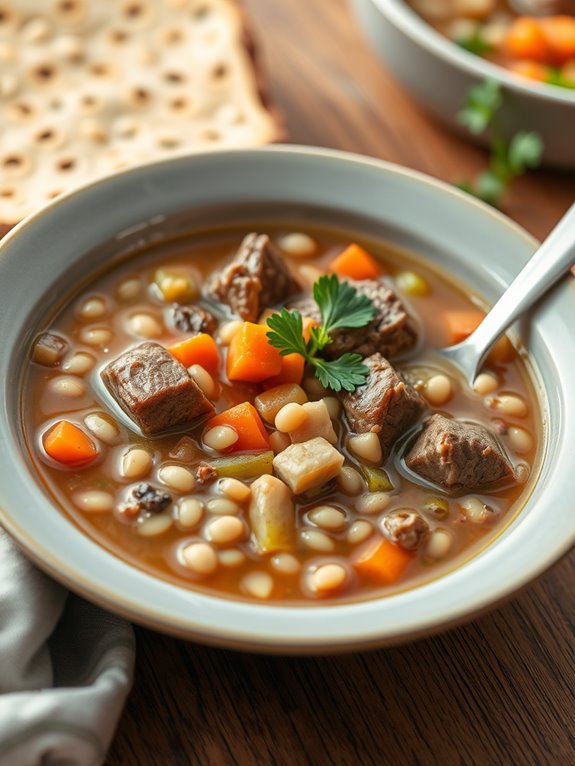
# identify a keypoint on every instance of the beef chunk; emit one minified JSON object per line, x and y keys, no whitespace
{"x":458,"y":455}
{"x":145,"y":500}
{"x":192,"y":319}
{"x":406,"y":527}
{"x":49,"y":349}
{"x":154,"y":389}
{"x":391,"y":331}
{"x":256,"y":279}
{"x":386,"y":404}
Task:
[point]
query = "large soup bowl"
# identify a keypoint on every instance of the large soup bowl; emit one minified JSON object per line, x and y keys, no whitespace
{"x":53,"y":252}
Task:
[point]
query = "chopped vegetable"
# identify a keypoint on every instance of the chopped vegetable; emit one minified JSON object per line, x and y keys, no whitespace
{"x":317,"y":423}
{"x":355,"y":263}
{"x":532,"y":69}
{"x":271,"y":401}
{"x":291,"y":371}
{"x":251,"y":356}
{"x":381,"y":561}
{"x":243,"y":466}
{"x":308,"y":464}
{"x":412,"y":284}
{"x":460,"y":325}
{"x":559,"y":32}
{"x":176,"y":288}
{"x":244,"y":419}
{"x":200,"y":349}
{"x":66,"y":443}
{"x":526,"y":40}
{"x":438,"y":507}
{"x":376,"y":478}
{"x":272,"y":515}
{"x":340,"y":306}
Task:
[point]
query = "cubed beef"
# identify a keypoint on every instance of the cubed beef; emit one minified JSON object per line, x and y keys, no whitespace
{"x":49,"y":349}
{"x":256,"y":279}
{"x":458,"y":455}
{"x":386,"y":404}
{"x":391,"y":331}
{"x":192,"y":319}
{"x":154,"y":389}
{"x":406,"y":527}
{"x":144,"y":500}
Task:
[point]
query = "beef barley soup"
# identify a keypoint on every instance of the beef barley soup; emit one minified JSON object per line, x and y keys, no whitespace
{"x":258,"y":413}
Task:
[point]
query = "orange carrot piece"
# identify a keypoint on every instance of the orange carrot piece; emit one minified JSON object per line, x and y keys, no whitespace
{"x":355,"y":263}
{"x":526,"y":40}
{"x":531,"y":69}
{"x":460,"y":325}
{"x":199,"y":349}
{"x":68,"y":444}
{"x":382,"y":561}
{"x":559,"y":32}
{"x":291,"y":371}
{"x":250,"y":356}
{"x":244,"y":418}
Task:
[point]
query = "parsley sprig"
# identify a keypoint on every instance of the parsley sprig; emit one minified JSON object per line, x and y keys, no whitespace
{"x":509,"y":158}
{"x":340,"y":306}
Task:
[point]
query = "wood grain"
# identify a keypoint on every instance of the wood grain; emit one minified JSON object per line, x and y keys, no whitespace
{"x":498,"y":691}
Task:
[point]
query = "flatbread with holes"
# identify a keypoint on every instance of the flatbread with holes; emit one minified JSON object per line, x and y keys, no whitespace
{"x":89,"y":87}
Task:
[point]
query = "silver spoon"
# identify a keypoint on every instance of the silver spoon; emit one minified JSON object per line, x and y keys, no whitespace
{"x":549,"y":263}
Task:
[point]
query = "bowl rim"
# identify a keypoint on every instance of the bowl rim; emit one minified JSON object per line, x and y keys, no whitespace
{"x":411,"y":24}
{"x":266,"y":630}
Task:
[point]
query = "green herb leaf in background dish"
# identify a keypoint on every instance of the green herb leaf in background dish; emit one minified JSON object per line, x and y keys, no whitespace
{"x":474,"y":43}
{"x":482,"y":102}
{"x":525,"y":150}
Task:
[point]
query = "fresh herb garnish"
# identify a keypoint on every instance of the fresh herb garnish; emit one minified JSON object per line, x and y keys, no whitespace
{"x":474,"y":43}
{"x":509,"y":158}
{"x":340,"y":305}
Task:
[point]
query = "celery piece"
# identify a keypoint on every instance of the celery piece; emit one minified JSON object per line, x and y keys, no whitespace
{"x":243,"y":466}
{"x":377,"y":479}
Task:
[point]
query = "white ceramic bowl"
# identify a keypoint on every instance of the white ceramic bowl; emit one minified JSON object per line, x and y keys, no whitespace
{"x":439,"y":73}
{"x":44,"y":257}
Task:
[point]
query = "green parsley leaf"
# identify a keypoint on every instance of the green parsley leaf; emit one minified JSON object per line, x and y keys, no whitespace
{"x":525,"y":150}
{"x":347,"y":372}
{"x":481,"y":105}
{"x":287,"y":333}
{"x":474,"y":43}
{"x":340,"y":304}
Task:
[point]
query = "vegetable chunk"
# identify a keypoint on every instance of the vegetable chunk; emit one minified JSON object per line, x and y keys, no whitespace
{"x":354,"y":262}
{"x":272,"y":515}
{"x":271,"y":401}
{"x":317,"y":423}
{"x":244,"y":419}
{"x":382,"y":561}
{"x":251,"y":358}
{"x":199,"y":349}
{"x":68,"y":444}
{"x":308,"y":464}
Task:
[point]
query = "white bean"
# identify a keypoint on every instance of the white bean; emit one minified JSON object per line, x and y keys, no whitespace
{"x":234,"y":489}
{"x":155,"y":525}
{"x":485,"y":383}
{"x":220,"y":437}
{"x":290,"y":417}
{"x":94,"y":501}
{"x":333,"y":406}
{"x":222,"y":506}
{"x":475,"y":510}
{"x":129,"y":289}
{"x":204,"y":380}
{"x":228,"y":330}
{"x":438,"y":544}
{"x":279,"y":441}
{"x":285,"y":563}
{"x":93,"y":308}
{"x":190,"y":512}
{"x":96,"y":336}
{"x":520,"y":440}
{"x":329,"y":518}
{"x":102,"y":427}
{"x":136,"y":463}
{"x":145,"y":326}
{"x":316,"y":540}
{"x":349,"y":481}
{"x":231,"y":558}
{"x":327,"y":578}
{"x":177,"y":477}
{"x":298,"y":244}
{"x":310,"y":274}
{"x":257,"y":584}
{"x":225,"y":530}
{"x":438,"y":390}
{"x":508,"y":404}
{"x":372,"y":502}
{"x":67,"y":386}
{"x":79,"y":364}
{"x":366,"y":446}
{"x":201,"y":558}
{"x":359,"y":531}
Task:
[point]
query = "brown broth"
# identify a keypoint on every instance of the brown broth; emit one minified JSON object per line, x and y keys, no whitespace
{"x":41,"y":407}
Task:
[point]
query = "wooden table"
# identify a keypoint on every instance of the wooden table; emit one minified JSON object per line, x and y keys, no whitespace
{"x":500,"y":690}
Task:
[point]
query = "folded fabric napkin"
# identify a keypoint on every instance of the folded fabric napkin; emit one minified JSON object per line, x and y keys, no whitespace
{"x":65,"y":669}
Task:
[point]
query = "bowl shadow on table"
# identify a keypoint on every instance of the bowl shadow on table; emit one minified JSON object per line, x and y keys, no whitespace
{"x":481,"y":693}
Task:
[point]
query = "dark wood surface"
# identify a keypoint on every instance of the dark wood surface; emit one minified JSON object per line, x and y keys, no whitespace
{"x":500,"y":690}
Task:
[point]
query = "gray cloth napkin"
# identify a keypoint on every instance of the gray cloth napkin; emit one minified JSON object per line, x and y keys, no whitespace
{"x":65,"y":669}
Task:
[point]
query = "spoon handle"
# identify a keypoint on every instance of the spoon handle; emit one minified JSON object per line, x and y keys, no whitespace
{"x":550,"y":262}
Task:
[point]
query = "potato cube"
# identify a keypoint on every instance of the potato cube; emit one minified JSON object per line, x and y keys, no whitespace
{"x":308,"y":464}
{"x":270,"y":402}
{"x":317,"y":423}
{"x":272,"y":514}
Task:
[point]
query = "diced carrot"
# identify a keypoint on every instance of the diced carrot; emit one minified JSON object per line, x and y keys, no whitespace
{"x":531,"y":69}
{"x":68,"y":444}
{"x":250,"y":356}
{"x":559,"y":32}
{"x":355,"y":263}
{"x":291,"y":371}
{"x":246,"y":421}
{"x":307,"y":324}
{"x":460,"y":325}
{"x":381,"y":561}
{"x":199,"y":349}
{"x":526,"y":40}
